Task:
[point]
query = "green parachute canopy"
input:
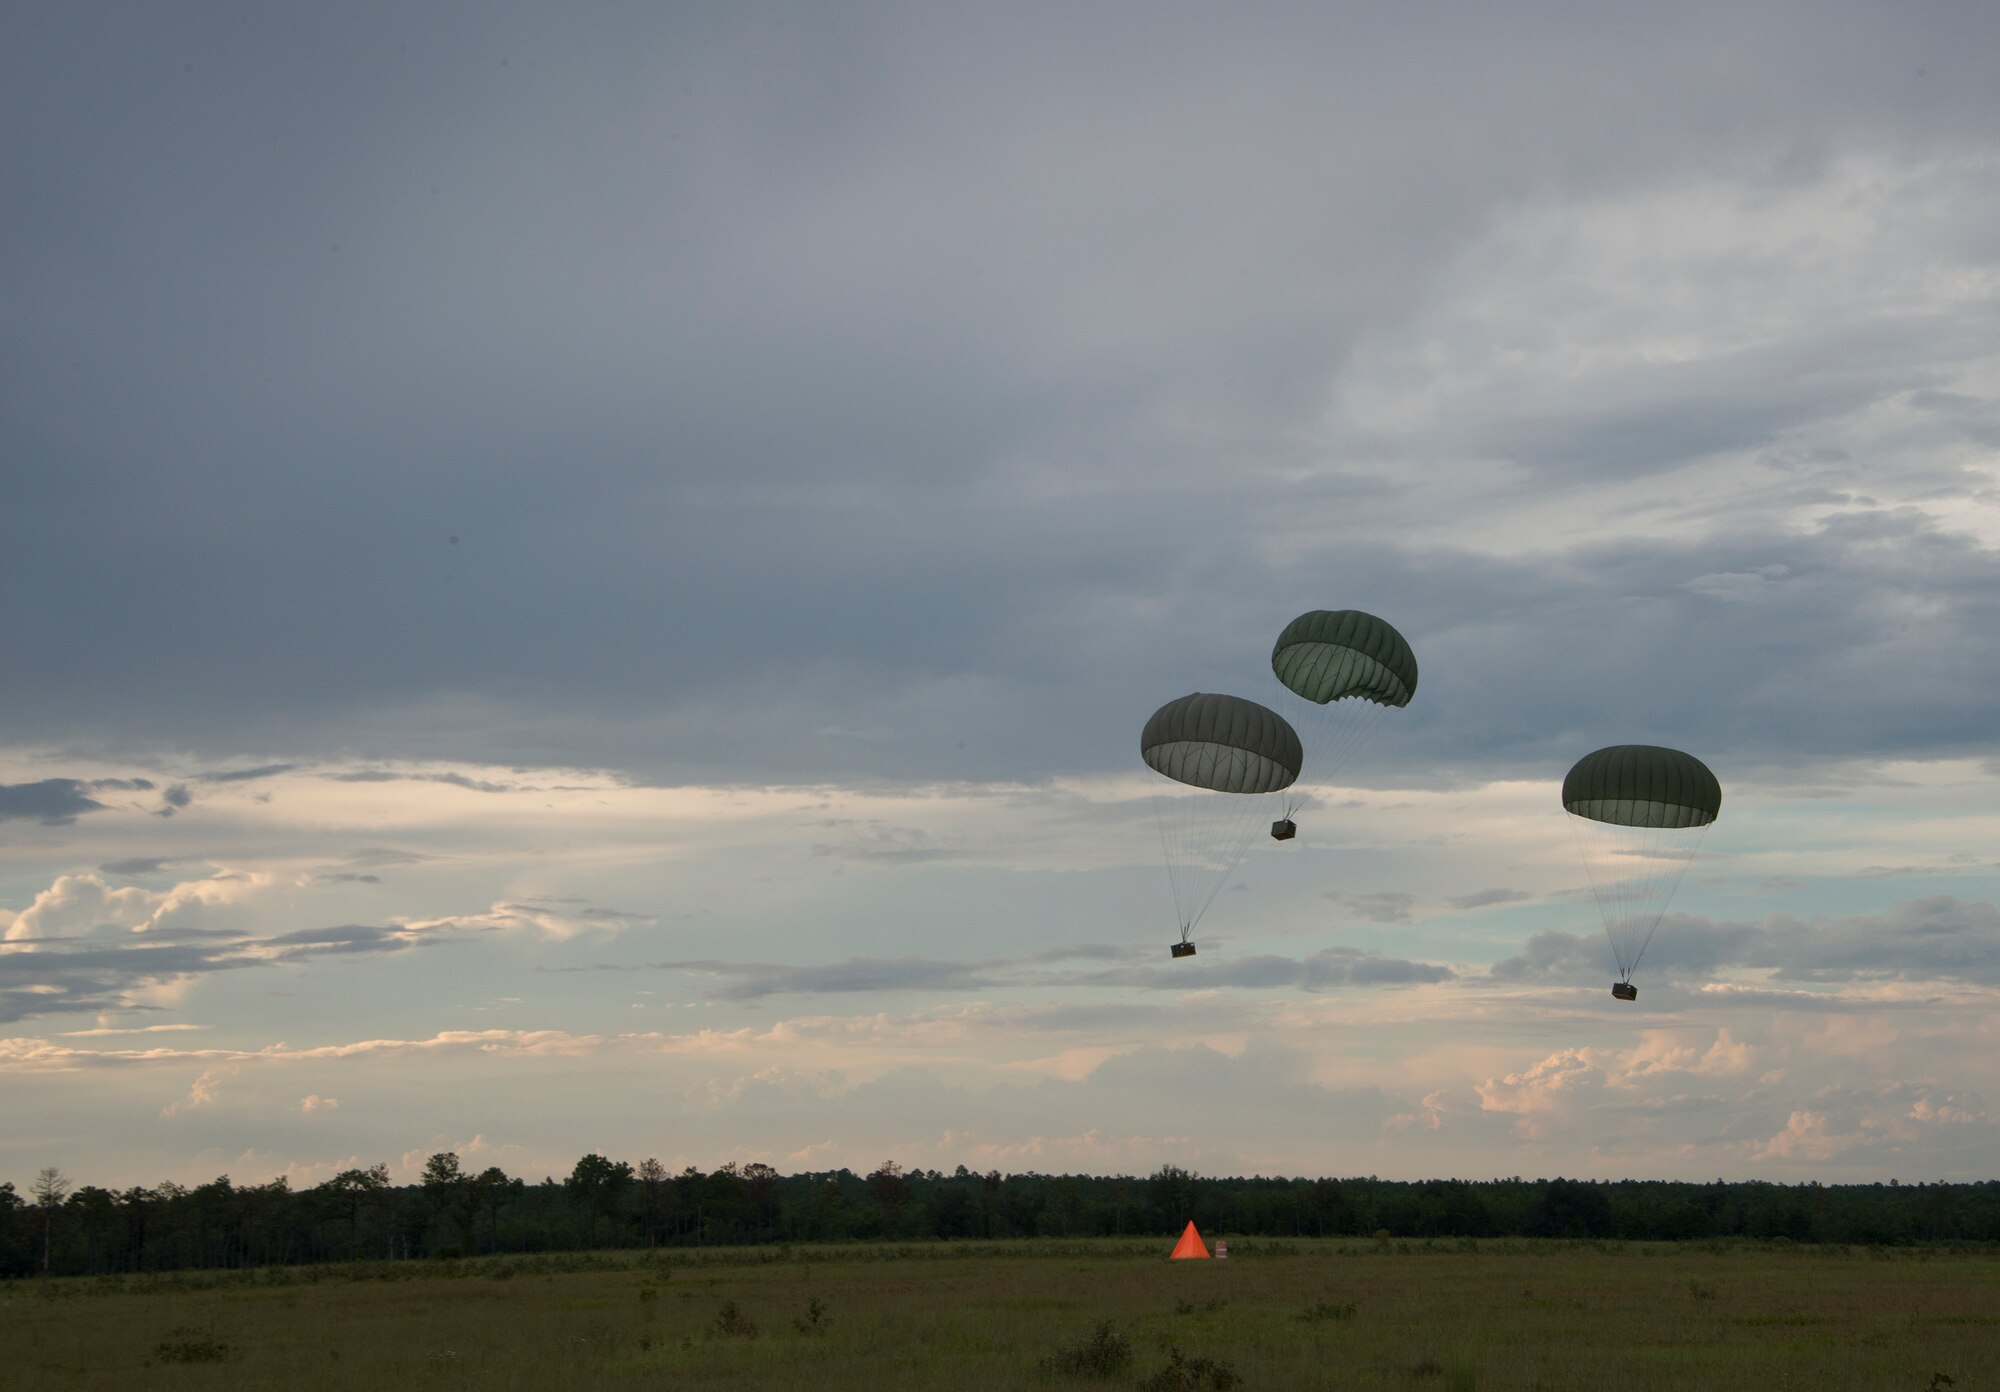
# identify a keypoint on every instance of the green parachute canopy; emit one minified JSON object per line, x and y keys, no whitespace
{"x":1351,"y":669}
{"x":1639,"y":812}
{"x":1331,"y":654}
{"x":1222,"y":742}
{"x":1643,"y":785}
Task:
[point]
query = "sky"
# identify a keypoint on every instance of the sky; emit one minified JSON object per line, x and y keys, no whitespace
{"x":588,"y":579}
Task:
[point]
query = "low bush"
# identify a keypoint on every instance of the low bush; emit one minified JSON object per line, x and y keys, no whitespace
{"x":1104,"y":1353}
{"x":814,"y":1320}
{"x":1185,"y":1374}
{"x":730,"y":1320}
{"x":190,"y":1345}
{"x":1327,"y":1310}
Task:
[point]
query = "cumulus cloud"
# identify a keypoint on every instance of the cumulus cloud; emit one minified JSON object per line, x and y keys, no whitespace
{"x":84,"y":906}
{"x":1806,"y":1137}
{"x":77,"y":904}
{"x":1547,"y":1086}
{"x":207,"y":1087}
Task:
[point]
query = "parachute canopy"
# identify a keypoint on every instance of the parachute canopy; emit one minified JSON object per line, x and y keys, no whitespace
{"x":1352,"y":668}
{"x":1222,"y":742}
{"x":1331,"y":654}
{"x":1643,"y":785}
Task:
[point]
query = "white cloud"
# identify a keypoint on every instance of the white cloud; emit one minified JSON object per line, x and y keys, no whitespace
{"x":206,"y":1088}
{"x":75,"y":905}
{"x":1805,"y":1137}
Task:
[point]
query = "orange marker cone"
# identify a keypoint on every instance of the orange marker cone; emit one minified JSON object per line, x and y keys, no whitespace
{"x":1190,"y":1245}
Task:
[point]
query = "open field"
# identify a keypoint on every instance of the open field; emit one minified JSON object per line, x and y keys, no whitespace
{"x":1353,"y":1314}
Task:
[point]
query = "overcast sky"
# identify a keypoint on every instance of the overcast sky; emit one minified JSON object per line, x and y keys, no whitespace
{"x":590,"y":579}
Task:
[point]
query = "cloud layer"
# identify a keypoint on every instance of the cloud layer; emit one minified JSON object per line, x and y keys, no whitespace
{"x":691,"y":509}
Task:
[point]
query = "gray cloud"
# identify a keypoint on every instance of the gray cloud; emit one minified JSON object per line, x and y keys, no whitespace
{"x":136,"y":865}
{"x":51,"y":801}
{"x":61,"y":978}
{"x":1326,"y":970}
{"x":1086,"y":951}
{"x":751,"y":980}
{"x":349,"y":938}
{"x":60,"y":801}
{"x":940,"y":551}
{"x":245,"y":775}
{"x":456,"y":780}
{"x":387,"y":855}
{"x":879,"y":841}
{"x":100,"y":970}
{"x":1384,"y":906}
{"x":1932,"y":939}
{"x":1483,"y":898}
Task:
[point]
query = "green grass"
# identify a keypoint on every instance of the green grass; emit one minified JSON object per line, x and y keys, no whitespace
{"x":1450,"y":1317}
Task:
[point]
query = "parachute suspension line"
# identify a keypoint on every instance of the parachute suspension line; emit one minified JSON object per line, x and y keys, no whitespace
{"x":1633,"y":872}
{"x":1204,"y":835}
{"x":1670,"y":883}
{"x":1332,"y":737}
{"x":1617,"y":892}
{"x":1161,"y":819}
{"x":1242,"y":820}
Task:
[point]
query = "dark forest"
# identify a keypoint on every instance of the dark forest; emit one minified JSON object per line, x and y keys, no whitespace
{"x":454,"y":1212}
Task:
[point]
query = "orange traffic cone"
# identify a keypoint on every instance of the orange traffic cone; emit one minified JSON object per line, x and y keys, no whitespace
{"x":1190,"y":1245}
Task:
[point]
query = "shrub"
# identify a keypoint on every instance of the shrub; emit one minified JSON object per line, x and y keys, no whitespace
{"x":1327,"y":1310}
{"x":730,"y":1320}
{"x":1185,"y":1374}
{"x":190,"y":1345}
{"x":814,"y":1320}
{"x":1103,"y":1354}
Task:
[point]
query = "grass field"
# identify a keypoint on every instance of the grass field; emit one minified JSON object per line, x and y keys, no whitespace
{"x":1276,"y":1315}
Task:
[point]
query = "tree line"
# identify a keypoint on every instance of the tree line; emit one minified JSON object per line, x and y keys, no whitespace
{"x":455,"y":1211}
